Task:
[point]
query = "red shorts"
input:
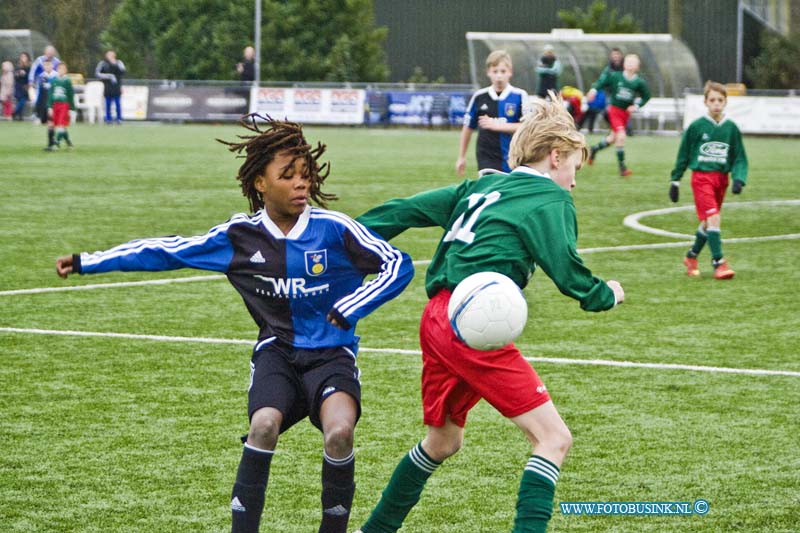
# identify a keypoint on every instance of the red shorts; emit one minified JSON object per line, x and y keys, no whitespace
{"x":618,"y":118}
{"x":455,"y":377}
{"x":60,"y":114}
{"x":709,"y":191}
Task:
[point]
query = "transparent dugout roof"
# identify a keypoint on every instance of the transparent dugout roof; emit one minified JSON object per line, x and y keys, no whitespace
{"x":668,"y":65}
{"x":13,"y":42}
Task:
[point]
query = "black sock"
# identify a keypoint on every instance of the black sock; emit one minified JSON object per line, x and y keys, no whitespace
{"x":51,"y":137}
{"x":338,"y":489}
{"x":247,"y":499}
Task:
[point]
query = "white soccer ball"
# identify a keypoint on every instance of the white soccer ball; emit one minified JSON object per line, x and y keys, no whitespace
{"x":487,"y":311}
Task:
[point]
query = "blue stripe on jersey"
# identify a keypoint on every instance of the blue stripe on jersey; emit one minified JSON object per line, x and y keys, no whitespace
{"x":396,"y":271}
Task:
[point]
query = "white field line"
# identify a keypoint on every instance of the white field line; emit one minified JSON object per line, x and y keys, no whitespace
{"x":421,"y":262}
{"x":554,"y":360}
{"x":632,"y":220}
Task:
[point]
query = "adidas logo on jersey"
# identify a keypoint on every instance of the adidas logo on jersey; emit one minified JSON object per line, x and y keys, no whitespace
{"x":706,"y":137}
{"x":328,"y":391}
{"x":236,"y":505}
{"x":484,"y":107}
{"x":257,"y":258}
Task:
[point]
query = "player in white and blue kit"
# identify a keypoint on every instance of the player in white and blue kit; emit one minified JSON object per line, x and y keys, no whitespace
{"x":300,"y":271}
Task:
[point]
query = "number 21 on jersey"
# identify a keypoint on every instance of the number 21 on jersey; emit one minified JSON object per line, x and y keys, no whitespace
{"x":477,"y":203}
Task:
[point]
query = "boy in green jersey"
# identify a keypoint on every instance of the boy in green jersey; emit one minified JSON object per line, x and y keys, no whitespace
{"x":60,"y":101}
{"x":624,"y":88}
{"x":712,"y":147}
{"x":511,"y":224}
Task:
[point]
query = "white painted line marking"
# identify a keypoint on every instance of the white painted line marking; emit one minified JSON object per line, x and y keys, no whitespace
{"x":632,"y":221}
{"x":554,"y":360}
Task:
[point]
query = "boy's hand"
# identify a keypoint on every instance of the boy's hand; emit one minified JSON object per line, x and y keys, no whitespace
{"x":485,"y":122}
{"x":336,"y":318}
{"x":64,"y":266}
{"x":590,"y":95}
{"x":737,"y":186}
{"x":619,"y":294}
{"x":674,"y":191}
{"x":50,"y":112}
{"x":461,"y":165}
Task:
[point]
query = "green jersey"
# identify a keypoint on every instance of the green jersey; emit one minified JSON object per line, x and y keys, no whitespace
{"x":623,"y":90}
{"x":711,"y":146}
{"x":506,"y":223}
{"x":61,"y":91}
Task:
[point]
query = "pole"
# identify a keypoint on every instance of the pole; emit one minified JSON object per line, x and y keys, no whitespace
{"x":257,"y":44}
{"x":739,"y":39}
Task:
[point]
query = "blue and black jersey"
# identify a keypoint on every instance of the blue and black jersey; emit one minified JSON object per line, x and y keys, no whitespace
{"x":492,"y":146}
{"x":35,"y":75}
{"x":289,"y":283}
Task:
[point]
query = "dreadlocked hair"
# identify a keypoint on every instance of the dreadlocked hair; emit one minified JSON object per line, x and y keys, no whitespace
{"x":261,"y":147}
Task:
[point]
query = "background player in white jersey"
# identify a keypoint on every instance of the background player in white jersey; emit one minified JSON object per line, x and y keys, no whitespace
{"x":300,"y":271}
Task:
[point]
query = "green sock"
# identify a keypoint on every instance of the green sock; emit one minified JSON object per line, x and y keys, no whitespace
{"x":402,"y":492}
{"x":621,"y":158}
{"x":535,"y":499}
{"x":700,"y":238}
{"x":59,"y":136}
{"x":715,"y":243}
{"x":599,"y":146}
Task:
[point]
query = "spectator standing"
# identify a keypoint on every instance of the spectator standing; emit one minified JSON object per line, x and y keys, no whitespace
{"x":548,"y":70}
{"x":21,"y":73}
{"x":247,"y":67}
{"x":7,"y":89}
{"x":110,"y":71}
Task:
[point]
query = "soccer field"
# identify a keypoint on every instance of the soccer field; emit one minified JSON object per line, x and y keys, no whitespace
{"x":136,"y":427}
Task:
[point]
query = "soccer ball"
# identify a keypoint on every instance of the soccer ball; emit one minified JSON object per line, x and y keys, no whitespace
{"x":487,"y":311}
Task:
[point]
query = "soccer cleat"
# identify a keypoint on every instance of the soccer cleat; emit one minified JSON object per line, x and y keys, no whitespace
{"x":592,"y":153}
{"x":69,"y":143}
{"x":692,"y":269}
{"x":49,"y":148}
{"x":722,"y":270}
{"x":625,"y":172}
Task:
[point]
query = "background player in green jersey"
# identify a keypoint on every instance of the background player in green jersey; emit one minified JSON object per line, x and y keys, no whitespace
{"x":60,"y":101}
{"x":624,"y":88}
{"x":712,"y":147}
{"x":506,"y":223}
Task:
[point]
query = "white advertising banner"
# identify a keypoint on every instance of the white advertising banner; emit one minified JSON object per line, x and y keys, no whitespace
{"x":134,"y":102}
{"x":753,"y":114}
{"x":310,"y":106}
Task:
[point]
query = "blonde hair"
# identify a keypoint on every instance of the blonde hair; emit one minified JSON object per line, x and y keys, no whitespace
{"x":548,"y":127}
{"x":497,"y":57}
{"x":716,"y":87}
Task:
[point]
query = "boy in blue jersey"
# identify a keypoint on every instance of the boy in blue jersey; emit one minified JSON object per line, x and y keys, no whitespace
{"x":495,"y":111}
{"x":300,"y":271}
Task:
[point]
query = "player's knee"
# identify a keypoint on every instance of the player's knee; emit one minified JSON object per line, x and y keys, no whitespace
{"x":339,"y":439}
{"x":559,"y":440}
{"x":264,"y":430}
{"x":440,"y":449}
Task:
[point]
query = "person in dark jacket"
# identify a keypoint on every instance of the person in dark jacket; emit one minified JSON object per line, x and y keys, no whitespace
{"x":21,"y":72}
{"x":110,"y":71}
{"x":247,"y":68}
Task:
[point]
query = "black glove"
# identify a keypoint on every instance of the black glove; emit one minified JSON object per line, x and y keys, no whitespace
{"x":737,"y":186}
{"x":674,"y":191}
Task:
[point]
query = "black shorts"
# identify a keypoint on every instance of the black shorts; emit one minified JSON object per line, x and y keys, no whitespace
{"x":296,"y":381}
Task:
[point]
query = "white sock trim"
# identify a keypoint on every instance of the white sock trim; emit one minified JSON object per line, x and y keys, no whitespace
{"x":259,"y":450}
{"x":339,"y":462}
{"x":422,"y":462}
